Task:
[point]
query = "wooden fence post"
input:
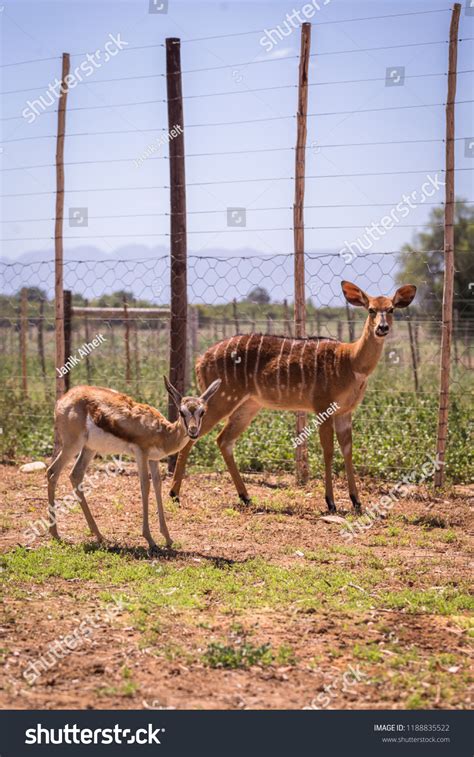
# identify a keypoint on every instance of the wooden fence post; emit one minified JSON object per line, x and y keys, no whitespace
{"x":192,"y":343}
{"x":41,"y":345}
{"x":126,"y":321}
{"x":136,"y":350}
{"x":236,"y":316}
{"x":350,"y":322}
{"x":414,"y":362}
{"x":448,"y":285}
{"x":87,"y":339}
{"x":179,"y":297}
{"x":58,"y":231}
{"x":286,"y":315}
{"x":301,"y":452}
{"x":67,"y":334}
{"x":23,"y":335}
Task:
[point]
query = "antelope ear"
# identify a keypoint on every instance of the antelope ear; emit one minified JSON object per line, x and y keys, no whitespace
{"x":211,"y":390}
{"x":354,"y":295}
{"x":174,"y":394}
{"x":403,"y":296}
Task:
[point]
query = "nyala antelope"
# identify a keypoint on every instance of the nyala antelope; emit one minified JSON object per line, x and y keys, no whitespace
{"x":91,"y":419}
{"x":308,"y":374}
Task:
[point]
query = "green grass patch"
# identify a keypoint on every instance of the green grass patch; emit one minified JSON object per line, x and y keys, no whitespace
{"x":242,"y":655}
{"x":402,"y":433}
{"x":252,"y":584}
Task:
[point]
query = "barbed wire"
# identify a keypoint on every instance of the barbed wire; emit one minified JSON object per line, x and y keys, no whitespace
{"x":246,"y":121}
{"x":236,"y":181}
{"x":237,"y":91}
{"x":223,"y":210}
{"x":313,"y":146}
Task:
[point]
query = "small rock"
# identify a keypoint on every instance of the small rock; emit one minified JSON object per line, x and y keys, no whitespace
{"x":32,"y":467}
{"x":453,"y":669}
{"x":298,"y":553}
{"x":332,"y":519}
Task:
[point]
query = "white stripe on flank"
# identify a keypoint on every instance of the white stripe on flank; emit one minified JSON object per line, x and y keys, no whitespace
{"x":235,"y":357}
{"x":289,"y":362}
{"x":302,"y":367}
{"x":225,"y":361}
{"x":214,"y":353}
{"x":279,"y":366}
{"x":316,"y":363}
{"x":245,"y":360}
{"x":256,"y":365}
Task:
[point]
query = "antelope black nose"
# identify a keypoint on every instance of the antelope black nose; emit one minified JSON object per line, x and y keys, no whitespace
{"x":382,"y":330}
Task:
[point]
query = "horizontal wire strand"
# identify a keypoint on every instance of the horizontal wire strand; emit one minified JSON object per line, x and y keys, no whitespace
{"x":236,"y":181}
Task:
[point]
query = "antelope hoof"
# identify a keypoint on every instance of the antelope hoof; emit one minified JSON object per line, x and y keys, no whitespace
{"x":245,"y":499}
{"x":331,"y":505}
{"x":356,"y":504}
{"x":174,"y":496}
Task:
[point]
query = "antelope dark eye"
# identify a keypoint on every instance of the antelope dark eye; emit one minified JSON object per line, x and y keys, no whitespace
{"x":372,"y":311}
{"x":390,"y":311}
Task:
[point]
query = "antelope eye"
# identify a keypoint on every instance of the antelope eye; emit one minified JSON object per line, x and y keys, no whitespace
{"x":372,"y":311}
{"x":390,"y":310}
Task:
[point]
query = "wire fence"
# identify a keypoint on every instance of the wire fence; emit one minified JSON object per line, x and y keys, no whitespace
{"x":232,"y":293}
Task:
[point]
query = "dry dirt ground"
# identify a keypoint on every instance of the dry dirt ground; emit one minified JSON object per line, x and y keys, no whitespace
{"x":261,"y":606}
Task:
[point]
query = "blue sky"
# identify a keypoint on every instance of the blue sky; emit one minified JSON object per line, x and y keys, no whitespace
{"x":33,"y":30}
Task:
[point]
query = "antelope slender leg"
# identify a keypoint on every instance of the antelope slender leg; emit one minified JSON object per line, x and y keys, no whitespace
{"x":54,"y":471}
{"x":343,"y":425}
{"x":156,"y":480}
{"x":76,"y":477}
{"x":209,"y":421}
{"x":142,"y":462}
{"x":178,"y":473}
{"x":326,"y":435}
{"x":236,"y":424}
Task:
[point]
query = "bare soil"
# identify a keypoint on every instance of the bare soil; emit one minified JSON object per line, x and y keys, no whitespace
{"x":408,"y":658}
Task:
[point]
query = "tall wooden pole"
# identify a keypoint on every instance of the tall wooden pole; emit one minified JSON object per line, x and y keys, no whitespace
{"x":448,"y":286}
{"x":179,"y":297}
{"x":301,"y":453}
{"x":58,"y":230}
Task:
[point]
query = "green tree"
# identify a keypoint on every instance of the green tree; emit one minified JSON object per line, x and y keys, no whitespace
{"x":422,"y":262}
{"x":34,"y":294}
{"x":259,"y":296}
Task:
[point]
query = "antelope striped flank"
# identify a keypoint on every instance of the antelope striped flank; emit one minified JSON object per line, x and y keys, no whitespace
{"x":307,"y":374}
